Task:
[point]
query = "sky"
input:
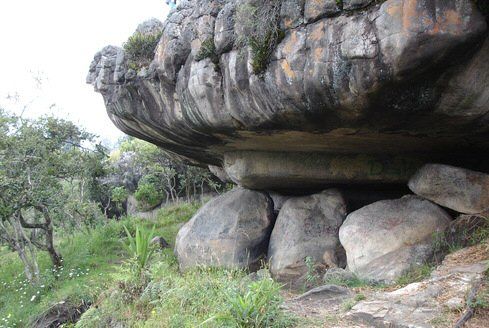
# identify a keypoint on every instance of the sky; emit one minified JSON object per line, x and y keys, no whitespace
{"x":47,"y":46}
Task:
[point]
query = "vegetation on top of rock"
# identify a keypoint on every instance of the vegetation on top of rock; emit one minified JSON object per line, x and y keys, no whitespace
{"x":140,"y":48}
{"x":261,"y":31}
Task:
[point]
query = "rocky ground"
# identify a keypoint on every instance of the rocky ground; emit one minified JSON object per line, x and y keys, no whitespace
{"x":438,"y":301}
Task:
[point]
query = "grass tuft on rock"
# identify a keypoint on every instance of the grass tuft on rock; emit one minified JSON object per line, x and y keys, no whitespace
{"x":140,"y":49}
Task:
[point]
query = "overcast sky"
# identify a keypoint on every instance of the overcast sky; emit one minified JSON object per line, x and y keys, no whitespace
{"x":55,"y":40}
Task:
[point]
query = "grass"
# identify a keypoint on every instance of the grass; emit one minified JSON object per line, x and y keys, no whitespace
{"x":416,"y":274}
{"x":98,"y":271}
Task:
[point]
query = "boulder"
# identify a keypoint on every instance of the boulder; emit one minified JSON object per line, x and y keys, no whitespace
{"x":365,"y":94}
{"x":462,"y":190}
{"x":307,"y":227}
{"x":385,"y":239}
{"x":231,"y":231}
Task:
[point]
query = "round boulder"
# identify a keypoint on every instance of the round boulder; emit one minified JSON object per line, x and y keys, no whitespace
{"x":231,"y":231}
{"x":307,"y":227}
{"x":385,"y":239}
{"x":462,"y":190}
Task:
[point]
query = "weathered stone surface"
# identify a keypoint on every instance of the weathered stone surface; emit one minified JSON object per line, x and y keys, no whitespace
{"x":278,"y":200}
{"x":355,"y":4}
{"x":425,"y":303}
{"x":307,"y":226}
{"x":385,"y":239}
{"x":462,"y":190}
{"x":219,"y":173}
{"x":337,"y":275}
{"x":316,"y":9}
{"x":231,"y":230}
{"x":388,"y":80}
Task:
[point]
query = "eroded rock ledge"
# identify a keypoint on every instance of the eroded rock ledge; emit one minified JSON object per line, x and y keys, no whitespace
{"x":364,"y":93}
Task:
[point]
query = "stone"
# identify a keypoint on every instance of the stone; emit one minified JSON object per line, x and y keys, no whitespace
{"x":462,"y":190}
{"x":436,"y":299}
{"x":379,"y":86}
{"x":230,"y":231}
{"x":151,"y":26}
{"x":219,"y":173}
{"x":338,"y":275}
{"x":320,"y":302}
{"x":317,"y":9}
{"x":385,"y":239}
{"x":355,"y":4}
{"x":160,"y":242}
{"x":307,"y":227}
{"x":278,"y":200}
{"x":224,"y":28}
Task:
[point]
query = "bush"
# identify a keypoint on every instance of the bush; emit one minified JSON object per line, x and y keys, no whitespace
{"x":140,"y":48}
{"x":208,"y":50}
{"x":147,"y":196}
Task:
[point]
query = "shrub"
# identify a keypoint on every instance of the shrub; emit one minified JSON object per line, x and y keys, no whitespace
{"x":147,"y":196}
{"x":140,"y":48}
{"x":208,"y":50}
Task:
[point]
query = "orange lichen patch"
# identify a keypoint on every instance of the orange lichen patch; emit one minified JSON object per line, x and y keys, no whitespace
{"x":409,"y":14}
{"x":287,"y":69}
{"x":318,"y":54}
{"x":290,"y":43}
{"x":288,"y":23}
{"x":450,"y":22}
{"x":394,"y":9}
{"x":316,"y":33}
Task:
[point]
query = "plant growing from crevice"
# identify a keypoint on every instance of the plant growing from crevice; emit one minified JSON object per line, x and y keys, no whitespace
{"x":261,"y":31}
{"x":208,"y":50}
{"x":140,"y":49}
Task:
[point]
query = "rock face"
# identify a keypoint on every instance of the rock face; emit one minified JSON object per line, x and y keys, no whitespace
{"x":363,"y":92}
{"x":425,"y":303}
{"x":385,"y":239}
{"x":462,"y":190}
{"x":307,"y":226}
{"x":232,"y":231}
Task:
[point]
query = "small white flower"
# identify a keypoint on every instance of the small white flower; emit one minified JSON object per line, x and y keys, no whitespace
{"x":33,"y":298}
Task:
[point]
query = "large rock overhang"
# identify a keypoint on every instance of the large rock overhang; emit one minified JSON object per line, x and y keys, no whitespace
{"x":353,"y":96}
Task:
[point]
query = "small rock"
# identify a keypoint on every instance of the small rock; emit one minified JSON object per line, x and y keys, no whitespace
{"x":338,"y":274}
{"x":462,"y":190}
{"x":160,"y":241}
{"x":385,"y":239}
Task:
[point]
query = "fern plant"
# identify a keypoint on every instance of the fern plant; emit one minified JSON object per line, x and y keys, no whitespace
{"x":140,"y":246}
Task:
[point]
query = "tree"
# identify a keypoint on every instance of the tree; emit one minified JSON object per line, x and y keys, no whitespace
{"x":43,"y":164}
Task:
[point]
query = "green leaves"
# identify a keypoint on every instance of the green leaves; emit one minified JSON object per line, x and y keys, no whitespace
{"x":140,"y":246}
